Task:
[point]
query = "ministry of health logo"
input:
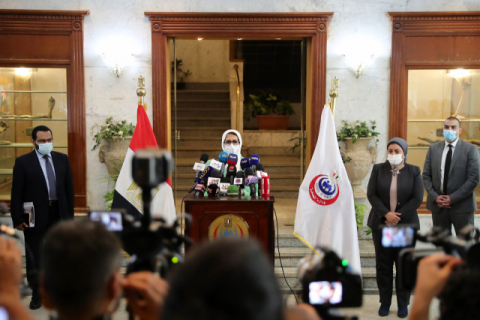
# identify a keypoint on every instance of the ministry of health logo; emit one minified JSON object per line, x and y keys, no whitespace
{"x":323,"y":191}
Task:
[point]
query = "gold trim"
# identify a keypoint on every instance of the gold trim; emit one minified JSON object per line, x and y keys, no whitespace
{"x":306,"y":243}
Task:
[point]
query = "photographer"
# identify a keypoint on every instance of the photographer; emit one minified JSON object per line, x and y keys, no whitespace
{"x":459,"y":297}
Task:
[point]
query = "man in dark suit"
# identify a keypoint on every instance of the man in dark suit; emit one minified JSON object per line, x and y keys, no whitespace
{"x":44,"y":178}
{"x":450,"y":176}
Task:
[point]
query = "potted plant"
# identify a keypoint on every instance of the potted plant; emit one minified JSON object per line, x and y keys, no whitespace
{"x":181,"y":75}
{"x":117,"y":136}
{"x":271,"y":112}
{"x":358,"y":156}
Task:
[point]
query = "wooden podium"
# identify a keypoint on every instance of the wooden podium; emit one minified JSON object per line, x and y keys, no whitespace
{"x":237,"y":217}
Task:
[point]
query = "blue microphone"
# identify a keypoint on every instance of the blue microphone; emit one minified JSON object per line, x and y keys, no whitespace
{"x":254,"y":160}
{"x":205,"y":174}
{"x":245,"y":163}
{"x":232,"y":159}
{"x":223,"y":159}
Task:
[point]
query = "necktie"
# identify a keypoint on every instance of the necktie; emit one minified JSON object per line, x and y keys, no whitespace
{"x":51,"y":179}
{"x":448,"y":160}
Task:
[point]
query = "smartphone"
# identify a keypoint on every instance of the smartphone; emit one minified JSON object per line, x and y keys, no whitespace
{"x":398,"y":236}
{"x":325,"y":292}
{"x":111,"y":219}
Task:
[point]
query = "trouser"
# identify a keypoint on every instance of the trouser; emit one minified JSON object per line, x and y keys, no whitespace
{"x":33,"y":240}
{"x":385,"y":258}
{"x":445,"y":218}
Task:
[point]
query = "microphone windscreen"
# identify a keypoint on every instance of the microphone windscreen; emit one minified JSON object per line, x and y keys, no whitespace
{"x":224,"y":180}
{"x":245,"y":163}
{"x":223,"y":156}
{"x":248,"y":172}
{"x":232,"y":190}
{"x":205,"y":174}
{"x":232,"y":159}
{"x":260,"y":167}
{"x":254,"y":160}
{"x":215,"y":174}
{"x":204,"y":157}
{"x":212,"y":190}
{"x":240,"y":174}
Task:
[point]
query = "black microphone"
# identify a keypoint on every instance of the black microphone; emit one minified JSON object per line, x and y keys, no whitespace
{"x":231,"y":172}
{"x":251,"y":181}
{"x":212,"y":190}
{"x":203,"y":160}
{"x":240,"y":181}
{"x":260,"y":168}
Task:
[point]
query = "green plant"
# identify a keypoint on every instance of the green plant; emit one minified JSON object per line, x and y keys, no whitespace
{"x":357,"y":131}
{"x":111,"y":130}
{"x":265,"y":104}
{"x":110,"y":177}
{"x":360,"y":214}
{"x":298,"y":142}
{"x":181,"y":75}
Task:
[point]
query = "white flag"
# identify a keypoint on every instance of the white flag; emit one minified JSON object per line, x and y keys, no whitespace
{"x":325,"y":210}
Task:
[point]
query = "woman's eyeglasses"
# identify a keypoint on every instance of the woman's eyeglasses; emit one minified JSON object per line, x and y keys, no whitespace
{"x":231,"y":141}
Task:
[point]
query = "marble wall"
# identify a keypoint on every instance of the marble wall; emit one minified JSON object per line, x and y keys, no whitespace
{"x":356,"y":25}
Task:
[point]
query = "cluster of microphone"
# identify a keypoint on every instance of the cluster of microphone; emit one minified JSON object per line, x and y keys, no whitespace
{"x":221,"y":177}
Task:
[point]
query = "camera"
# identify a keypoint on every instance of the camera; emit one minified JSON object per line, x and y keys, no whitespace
{"x":398,"y":236}
{"x":151,"y":243}
{"x":465,"y":246}
{"x":328,"y":282}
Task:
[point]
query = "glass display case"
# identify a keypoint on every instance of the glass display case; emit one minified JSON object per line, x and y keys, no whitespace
{"x":29,"y":97}
{"x":433,"y":96}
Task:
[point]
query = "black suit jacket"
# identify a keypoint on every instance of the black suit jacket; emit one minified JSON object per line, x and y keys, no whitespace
{"x":409,"y":194}
{"x":29,"y":185}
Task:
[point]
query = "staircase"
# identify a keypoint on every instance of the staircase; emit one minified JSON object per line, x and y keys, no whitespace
{"x":292,"y":250}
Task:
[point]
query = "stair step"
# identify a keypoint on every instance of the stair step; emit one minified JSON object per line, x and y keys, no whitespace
{"x":204,"y":124}
{"x":202,"y":94}
{"x":201,"y":118}
{"x":197,"y":147}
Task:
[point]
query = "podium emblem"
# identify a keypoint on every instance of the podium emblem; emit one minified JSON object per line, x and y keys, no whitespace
{"x":228,"y":226}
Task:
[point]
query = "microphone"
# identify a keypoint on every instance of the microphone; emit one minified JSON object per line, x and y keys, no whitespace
{"x":232,"y":190}
{"x":224,"y":184}
{"x":254,"y":160}
{"x":251,"y":181}
{"x":240,"y":181}
{"x":204,"y":176}
{"x":199,"y":189}
{"x":198,"y":166}
{"x":213,"y":181}
{"x":212,"y":190}
{"x":232,"y":159}
{"x":245,"y":163}
{"x":231,"y":172}
{"x":260,"y":169}
{"x":223,"y":159}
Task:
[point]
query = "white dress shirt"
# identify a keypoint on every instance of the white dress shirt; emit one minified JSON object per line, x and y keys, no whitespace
{"x":44,"y":168}
{"x":444,"y":157}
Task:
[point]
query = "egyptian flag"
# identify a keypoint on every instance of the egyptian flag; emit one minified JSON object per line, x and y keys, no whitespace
{"x":128,"y":195}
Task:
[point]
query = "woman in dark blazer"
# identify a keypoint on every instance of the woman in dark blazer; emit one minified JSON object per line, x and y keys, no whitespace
{"x":395,"y":191}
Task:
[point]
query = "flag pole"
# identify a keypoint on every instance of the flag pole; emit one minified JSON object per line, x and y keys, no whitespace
{"x":334,"y":95}
{"x":141,"y":92}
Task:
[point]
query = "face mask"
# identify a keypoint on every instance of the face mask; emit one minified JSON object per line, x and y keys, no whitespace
{"x":395,"y":159}
{"x":450,"y":135}
{"x":45,"y":148}
{"x":231,"y":148}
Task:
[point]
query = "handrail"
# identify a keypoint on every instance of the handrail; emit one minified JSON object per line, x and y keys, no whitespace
{"x":238,"y":99}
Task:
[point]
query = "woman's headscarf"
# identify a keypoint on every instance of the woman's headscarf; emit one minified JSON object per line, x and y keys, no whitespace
{"x":239,"y":155}
{"x":403,"y":144}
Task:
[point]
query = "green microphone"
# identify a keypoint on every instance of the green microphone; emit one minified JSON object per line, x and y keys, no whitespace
{"x":232,"y":191}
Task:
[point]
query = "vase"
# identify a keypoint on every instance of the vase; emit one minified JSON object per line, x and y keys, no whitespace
{"x":113,"y":154}
{"x":358,"y":167}
{"x":272,"y":122}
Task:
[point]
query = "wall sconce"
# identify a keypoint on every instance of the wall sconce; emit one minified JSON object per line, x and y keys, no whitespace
{"x":358,"y":62}
{"x":117,"y":62}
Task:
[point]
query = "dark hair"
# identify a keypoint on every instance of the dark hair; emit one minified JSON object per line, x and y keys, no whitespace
{"x":460,"y":299}
{"x":455,"y":118}
{"x":78,"y":259}
{"x":224,"y":279}
{"x":39,"y":128}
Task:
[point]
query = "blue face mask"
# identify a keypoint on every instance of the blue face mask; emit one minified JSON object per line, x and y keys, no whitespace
{"x":45,"y":148}
{"x":450,"y":135}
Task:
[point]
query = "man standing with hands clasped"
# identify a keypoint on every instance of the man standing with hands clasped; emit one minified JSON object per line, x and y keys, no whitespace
{"x":450,"y":176}
{"x":42,"y":185}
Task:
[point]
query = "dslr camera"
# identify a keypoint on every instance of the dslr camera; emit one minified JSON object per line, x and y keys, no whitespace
{"x":465,"y":246}
{"x":328,"y":283}
{"x":151,"y":244}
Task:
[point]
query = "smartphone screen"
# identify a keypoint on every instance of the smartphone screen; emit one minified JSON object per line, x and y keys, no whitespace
{"x":397,"y":237}
{"x":325,"y":292}
{"x":111,"y":219}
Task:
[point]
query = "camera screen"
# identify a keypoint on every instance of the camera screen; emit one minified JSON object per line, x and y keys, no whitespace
{"x":112,"y":220}
{"x":325,"y":292}
{"x":397,"y":237}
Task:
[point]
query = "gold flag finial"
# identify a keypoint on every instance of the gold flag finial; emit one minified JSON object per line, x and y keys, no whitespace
{"x":334,"y":94}
{"x":141,"y":92}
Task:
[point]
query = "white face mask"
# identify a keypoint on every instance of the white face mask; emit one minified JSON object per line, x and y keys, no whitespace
{"x":231,"y":148}
{"x":395,"y":159}
{"x":45,"y":148}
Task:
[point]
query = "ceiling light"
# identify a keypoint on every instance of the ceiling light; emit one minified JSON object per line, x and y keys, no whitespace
{"x":458,"y":73}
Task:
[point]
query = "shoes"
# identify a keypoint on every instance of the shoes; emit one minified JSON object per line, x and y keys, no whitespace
{"x":402,"y":312}
{"x":384,"y":310}
{"x":36,"y":302}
